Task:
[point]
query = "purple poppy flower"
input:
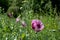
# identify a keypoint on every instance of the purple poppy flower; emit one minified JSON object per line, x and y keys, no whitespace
{"x":37,"y":25}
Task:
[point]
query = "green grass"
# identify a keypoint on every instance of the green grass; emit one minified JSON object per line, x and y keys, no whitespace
{"x":10,"y":30}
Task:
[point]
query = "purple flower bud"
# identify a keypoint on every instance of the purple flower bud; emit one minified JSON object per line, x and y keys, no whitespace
{"x":37,"y":25}
{"x":17,"y":19}
{"x":10,"y":15}
{"x":23,"y":23}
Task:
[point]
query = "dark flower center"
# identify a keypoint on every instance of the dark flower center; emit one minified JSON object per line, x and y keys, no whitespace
{"x":33,"y":27}
{"x":38,"y":25}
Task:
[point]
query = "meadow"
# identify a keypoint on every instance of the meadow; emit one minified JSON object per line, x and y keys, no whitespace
{"x":47,"y":11}
{"x":10,"y":30}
